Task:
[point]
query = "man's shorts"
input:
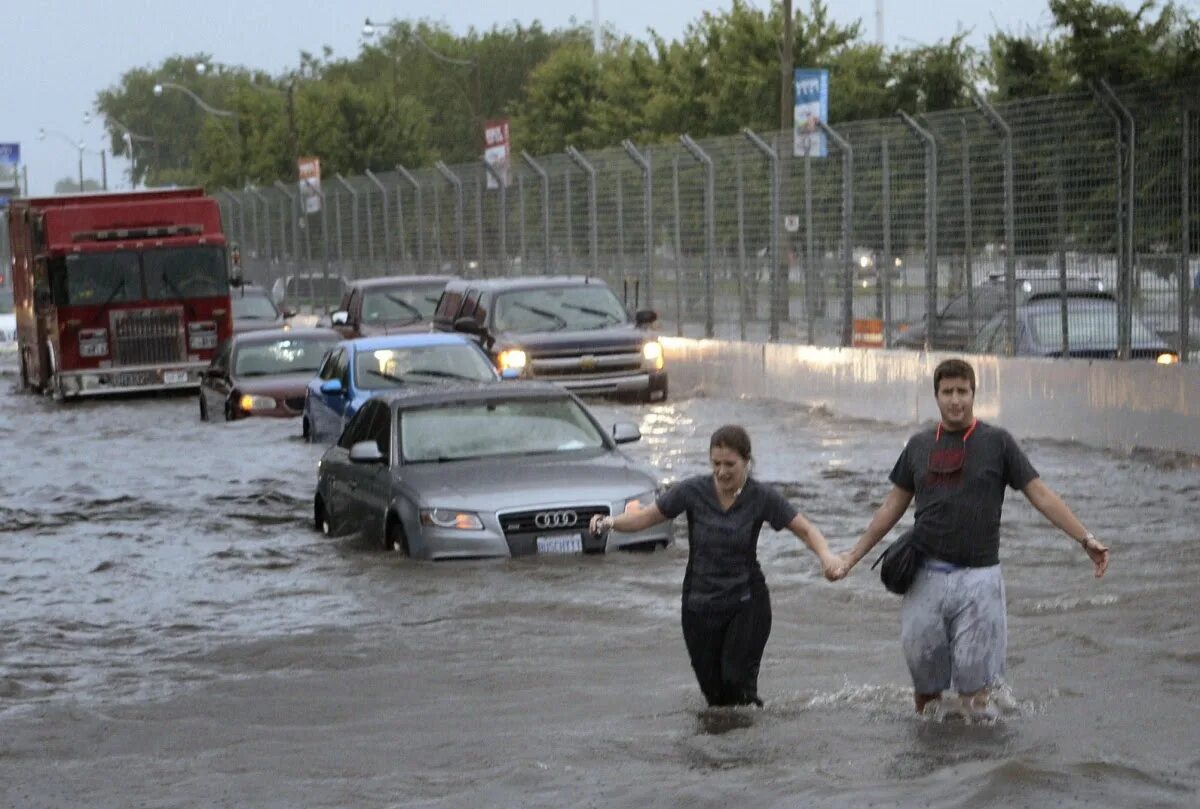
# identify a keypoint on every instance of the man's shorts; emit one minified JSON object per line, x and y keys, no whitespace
{"x":954,"y":628}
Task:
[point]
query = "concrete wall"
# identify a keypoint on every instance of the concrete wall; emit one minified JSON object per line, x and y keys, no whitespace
{"x":1116,"y":405}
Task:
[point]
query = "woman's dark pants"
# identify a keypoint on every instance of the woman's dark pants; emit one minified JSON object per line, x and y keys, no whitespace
{"x":726,"y":648}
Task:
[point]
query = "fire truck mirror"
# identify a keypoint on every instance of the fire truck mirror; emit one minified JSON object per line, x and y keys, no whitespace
{"x":235,"y":266}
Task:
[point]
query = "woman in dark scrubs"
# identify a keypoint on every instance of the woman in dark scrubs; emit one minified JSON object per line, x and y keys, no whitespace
{"x":726,"y":605}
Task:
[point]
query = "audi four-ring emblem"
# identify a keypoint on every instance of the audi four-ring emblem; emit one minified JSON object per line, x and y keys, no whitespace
{"x":556,"y":519}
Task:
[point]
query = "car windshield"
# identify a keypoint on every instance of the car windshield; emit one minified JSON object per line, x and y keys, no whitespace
{"x":406,"y":304}
{"x":253,"y":307}
{"x":574,"y":308}
{"x":185,"y":272}
{"x":394,"y":367}
{"x":487,"y":429}
{"x":1089,"y":323}
{"x":289,"y":355}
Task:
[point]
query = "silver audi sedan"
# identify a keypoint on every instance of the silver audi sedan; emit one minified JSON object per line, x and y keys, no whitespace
{"x":466,"y":471}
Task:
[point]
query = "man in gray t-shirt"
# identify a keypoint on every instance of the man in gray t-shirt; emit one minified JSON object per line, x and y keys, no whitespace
{"x":953,"y":620}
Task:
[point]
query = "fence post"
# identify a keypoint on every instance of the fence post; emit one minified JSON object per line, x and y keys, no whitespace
{"x":521,"y":220}
{"x":1126,"y":191}
{"x":814,"y":284}
{"x":495,"y":175}
{"x":968,"y":228}
{"x":678,"y":242}
{"x":743,"y":301}
{"x":1001,"y":127}
{"x":1185,"y":235}
{"x":533,"y":164}
{"x":885,"y":168}
{"x":459,"y":241}
{"x":387,"y":231}
{"x":337,"y":208}
{"x":847,"y":231}
{"x":710,"y":230}
{"x":264,"y":255}
{"x":593,"y":222}
{"x":773,"y":240}
{"x":568,"y":211}
{"x":643,"y":162}
{"x":931,"y":223}
{"x":293,"y":217}
{"x":408,"y":176}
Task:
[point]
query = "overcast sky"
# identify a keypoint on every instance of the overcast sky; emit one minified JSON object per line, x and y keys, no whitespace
{"x":57,"y":54}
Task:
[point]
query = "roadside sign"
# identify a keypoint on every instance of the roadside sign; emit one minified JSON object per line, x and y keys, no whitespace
{"x":496,"y":136}
{"x":867,"y":333}
{"x":309,"y":171}
{"x":791,"y":222}
{"x":811,"y":95}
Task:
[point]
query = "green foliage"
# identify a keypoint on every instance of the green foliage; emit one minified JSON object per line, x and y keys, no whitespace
{"x":417,"y":92}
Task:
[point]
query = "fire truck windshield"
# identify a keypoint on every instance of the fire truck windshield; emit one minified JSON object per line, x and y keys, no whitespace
{"x":165,"y":273}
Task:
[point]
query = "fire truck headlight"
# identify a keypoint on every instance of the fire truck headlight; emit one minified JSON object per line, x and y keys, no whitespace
{"x":202,"y":335}
{"x":93,"y":343}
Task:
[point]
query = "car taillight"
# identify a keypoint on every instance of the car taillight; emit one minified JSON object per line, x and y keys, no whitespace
{"x":202,"y":334}
{"x":93,"y":342}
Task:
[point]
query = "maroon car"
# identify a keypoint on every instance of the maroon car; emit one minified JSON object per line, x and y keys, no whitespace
{"x":263,"y":373}
{"x":393,"y":304}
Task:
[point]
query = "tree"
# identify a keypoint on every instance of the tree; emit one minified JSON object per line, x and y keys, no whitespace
{"x":70,"y":185}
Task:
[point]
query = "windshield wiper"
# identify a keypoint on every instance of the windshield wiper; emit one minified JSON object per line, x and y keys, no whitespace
{"x":166,"y":279}
{"x":416,"y":312}
{"x":398,"y":380}
{"x":588,"y":310}
{"x":111,"y":297}
{"x":557,"y":318}
{"x":441,"y":374}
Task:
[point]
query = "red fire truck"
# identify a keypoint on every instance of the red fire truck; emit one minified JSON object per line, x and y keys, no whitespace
{"x":118,"y":292}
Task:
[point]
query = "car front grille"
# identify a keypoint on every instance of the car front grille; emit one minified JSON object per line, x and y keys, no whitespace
{"x":586,"y":362}
{"x":148,"y":336}
{"x":295,"y":403}
{"x":526,"y":522}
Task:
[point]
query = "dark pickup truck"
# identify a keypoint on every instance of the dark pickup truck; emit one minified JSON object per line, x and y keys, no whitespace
{"x":571,"y":330}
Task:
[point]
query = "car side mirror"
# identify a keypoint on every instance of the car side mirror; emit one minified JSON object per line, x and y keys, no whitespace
{"x":332,"y":387}
{"x":288,"y":314}
{"x":339,"y":318}
{"x":645,"y":317}
{"x":626,"y":432}
{"x":366,"y":452}
{"x":235,"y":277}
{"x":469,"y":325}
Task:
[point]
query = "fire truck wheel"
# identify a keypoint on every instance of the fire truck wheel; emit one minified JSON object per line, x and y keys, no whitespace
{"x":203,"y":408}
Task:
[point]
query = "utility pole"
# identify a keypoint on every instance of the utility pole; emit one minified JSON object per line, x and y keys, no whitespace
{"x":786,"y":102}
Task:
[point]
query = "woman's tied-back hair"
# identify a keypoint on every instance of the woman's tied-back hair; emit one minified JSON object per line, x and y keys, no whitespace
{"x":732,"y":437}
{"x":953,"y":369}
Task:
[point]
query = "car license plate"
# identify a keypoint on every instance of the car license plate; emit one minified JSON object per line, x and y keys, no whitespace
{"x":560,"y":543}
{"x":174,"y":377}
{"x":132,"y":379}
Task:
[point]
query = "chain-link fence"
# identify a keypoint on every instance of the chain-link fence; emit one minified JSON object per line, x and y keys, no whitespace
{"x":984,"y":216}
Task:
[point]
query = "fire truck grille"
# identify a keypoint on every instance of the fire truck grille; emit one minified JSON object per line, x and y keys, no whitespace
{"x":148,"y":336}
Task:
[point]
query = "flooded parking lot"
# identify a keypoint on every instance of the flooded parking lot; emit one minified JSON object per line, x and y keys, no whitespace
{"x":174,"y":633}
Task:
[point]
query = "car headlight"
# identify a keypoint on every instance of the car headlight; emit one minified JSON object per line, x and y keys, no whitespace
{"x":644,"y":500}
{"x":652,"y":353}
{"x":1167,"y":358}
{"x":449,"y":518}
{"x":249,"y":403}
{"x":513,"y":359}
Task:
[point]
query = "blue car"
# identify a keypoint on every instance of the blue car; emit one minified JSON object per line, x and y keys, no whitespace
{"x":355,"y":370}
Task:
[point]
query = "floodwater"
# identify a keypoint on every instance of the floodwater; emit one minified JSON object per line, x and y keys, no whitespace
{"x":175,"y":634}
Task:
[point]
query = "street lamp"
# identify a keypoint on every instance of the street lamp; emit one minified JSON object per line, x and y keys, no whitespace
{"x":211,"y":110}
{"x":128,"y":136}
{"x":202,"y":68}
{"x":75,"y":144}
{"x":369,"y":30}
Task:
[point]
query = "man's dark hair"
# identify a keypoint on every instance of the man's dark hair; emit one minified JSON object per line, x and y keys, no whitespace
{"x":733,"y":437}
{"x":953,"y":369}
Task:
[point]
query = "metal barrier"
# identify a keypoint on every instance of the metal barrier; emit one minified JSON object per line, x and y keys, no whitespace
{"x":947,"y":212}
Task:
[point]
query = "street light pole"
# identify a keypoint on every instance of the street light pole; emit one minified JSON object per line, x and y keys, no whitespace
{"x":211,"y":110}
{"x":368,"y":31}
{"x":76,"y":144}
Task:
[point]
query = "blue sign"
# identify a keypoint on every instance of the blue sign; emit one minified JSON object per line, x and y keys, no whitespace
{"x":10,"y":158}
{"x":812,"y":105}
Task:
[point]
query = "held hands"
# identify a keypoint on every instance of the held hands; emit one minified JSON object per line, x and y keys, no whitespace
{"x":834,"y":567}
